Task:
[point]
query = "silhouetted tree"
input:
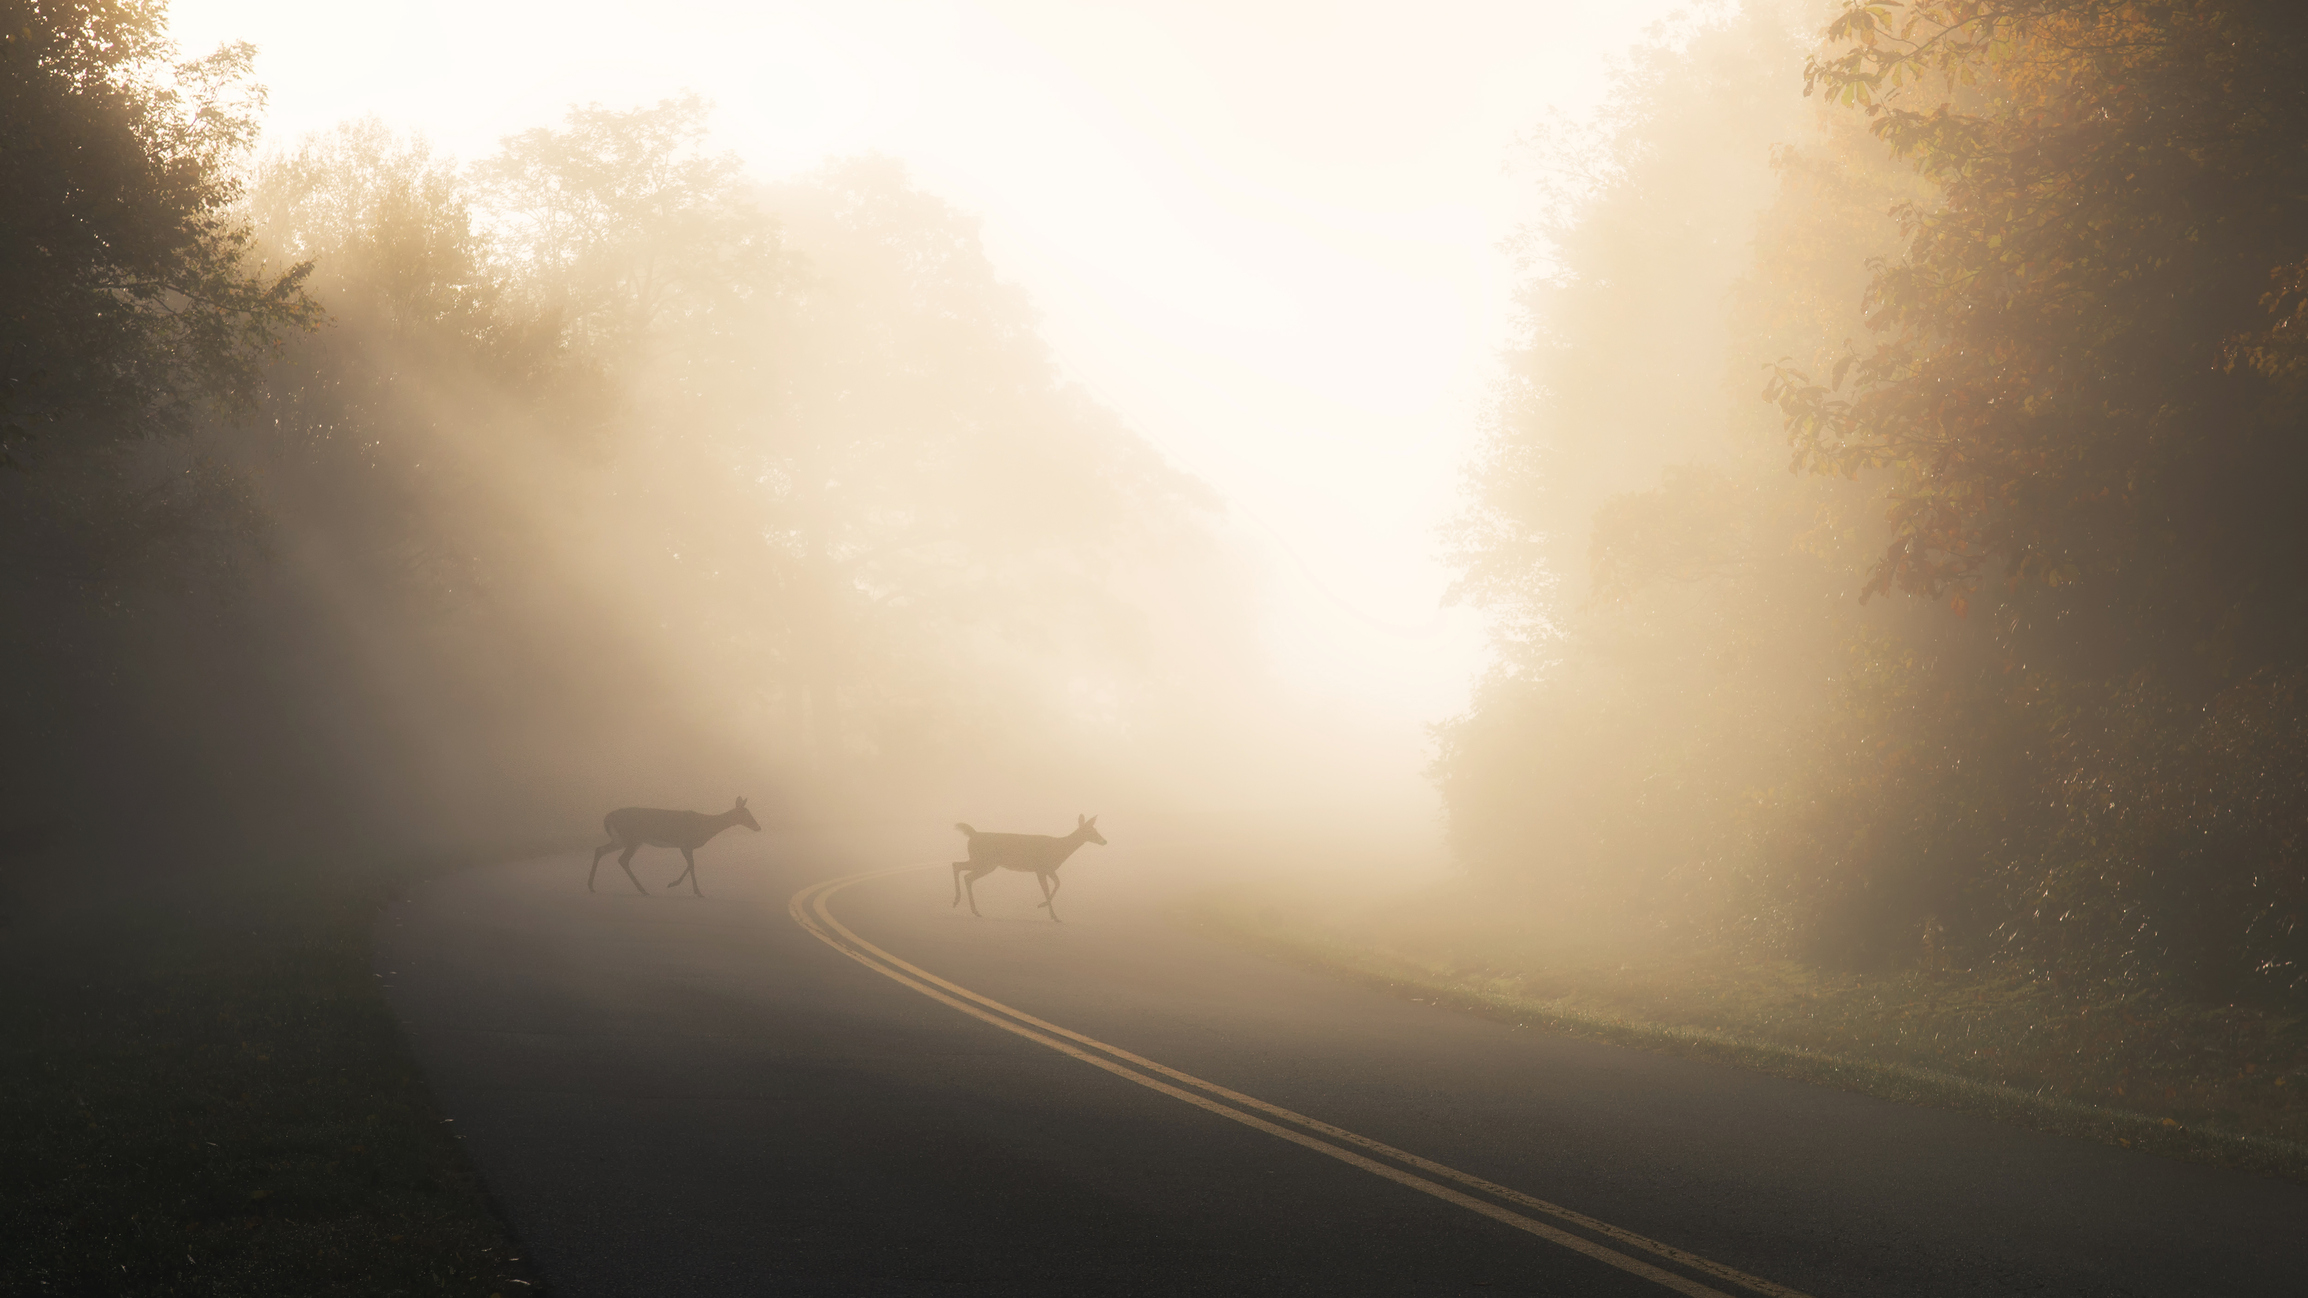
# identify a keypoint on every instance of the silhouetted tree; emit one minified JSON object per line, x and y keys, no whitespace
{"x":2081,"y":406}
{"x":2119,"y":195}
{"x":126,"y":290}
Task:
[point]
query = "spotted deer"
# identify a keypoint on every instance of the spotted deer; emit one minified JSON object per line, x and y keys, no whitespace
{"x":1037,"y":854}
{"x":632,"y":828}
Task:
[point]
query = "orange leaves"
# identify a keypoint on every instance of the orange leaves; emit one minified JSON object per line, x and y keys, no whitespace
{"x":2035,"y":351}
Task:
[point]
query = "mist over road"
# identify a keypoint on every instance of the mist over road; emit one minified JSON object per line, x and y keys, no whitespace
{"x":670,"y":1095}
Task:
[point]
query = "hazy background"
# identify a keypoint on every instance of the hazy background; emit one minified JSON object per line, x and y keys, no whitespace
{"x":1265,"y":235}
{"x":1265,"y":240}
{"x":1539,"y":446}
{"x":1268,"y":238}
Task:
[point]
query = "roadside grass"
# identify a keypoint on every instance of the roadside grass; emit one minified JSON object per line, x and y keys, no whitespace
{"x":202,"y":1091}
{"x":2140,"y":1068}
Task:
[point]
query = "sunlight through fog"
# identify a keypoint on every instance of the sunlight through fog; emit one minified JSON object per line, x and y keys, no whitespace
{"x":1263,"y":234}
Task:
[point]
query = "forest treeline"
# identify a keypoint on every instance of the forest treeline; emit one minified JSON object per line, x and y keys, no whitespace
{"x":1893,"y":515}
{"x":1889,"y":519}
{"x":358,"y":494}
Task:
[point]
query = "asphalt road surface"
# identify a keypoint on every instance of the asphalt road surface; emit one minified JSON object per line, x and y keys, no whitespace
{"x":678,"y":1096}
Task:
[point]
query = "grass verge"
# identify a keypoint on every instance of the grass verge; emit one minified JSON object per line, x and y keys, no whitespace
{"x":202,"y":1091}
{"x":2142,"y":1070}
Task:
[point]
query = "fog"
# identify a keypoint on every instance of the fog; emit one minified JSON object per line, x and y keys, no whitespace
{"x":654,"y":498}
{"x":1487,"y":454}
{"x":513,"y":533}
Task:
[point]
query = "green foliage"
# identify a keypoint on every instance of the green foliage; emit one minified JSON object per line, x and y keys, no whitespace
{"x":2173,"y":846}
{"x":388,"y":228}
{"x":2083,"y":381}
{"x":124,"y":270}
{"x":603,"y":448}
{"x":2053,"y":396}
{"x":2071,"y":232}
{"x":1664,"y":593}
{"x":619,"y":220}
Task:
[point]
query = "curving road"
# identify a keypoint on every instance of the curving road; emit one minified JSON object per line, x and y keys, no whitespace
{"x":811,"y":1084}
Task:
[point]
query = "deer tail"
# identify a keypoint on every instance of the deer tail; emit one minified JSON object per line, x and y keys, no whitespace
{"x":967,"y":832}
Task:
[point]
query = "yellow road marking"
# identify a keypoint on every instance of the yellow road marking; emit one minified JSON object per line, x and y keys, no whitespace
{"x":809,"y":909}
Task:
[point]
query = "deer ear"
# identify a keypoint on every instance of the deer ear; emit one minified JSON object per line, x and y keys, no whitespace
{"x":741,"y":802}
{"x":1079,"y":820}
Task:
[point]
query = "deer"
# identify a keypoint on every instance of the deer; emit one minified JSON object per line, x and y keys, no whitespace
{"x":1039,"y":854}
{"x":634,"y":827}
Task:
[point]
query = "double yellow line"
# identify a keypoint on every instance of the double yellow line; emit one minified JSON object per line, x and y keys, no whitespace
{"x":809,"y":909}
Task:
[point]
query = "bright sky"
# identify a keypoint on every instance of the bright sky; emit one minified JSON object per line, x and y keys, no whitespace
{"x":1265,"y":233}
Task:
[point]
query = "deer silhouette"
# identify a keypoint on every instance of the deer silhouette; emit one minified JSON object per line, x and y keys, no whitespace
{"x":1037,"y":854}
{"x":632,"y":828}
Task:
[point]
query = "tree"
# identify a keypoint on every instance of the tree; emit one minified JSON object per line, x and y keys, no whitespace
{"x":1627,"y":532}
{"x":2084,"y":396}
{"x":2076,"y":383}
{"x":921,"y":527}
{"x":369,"y":425}
{"x":127,"y":294}
{"x":620,"y":217}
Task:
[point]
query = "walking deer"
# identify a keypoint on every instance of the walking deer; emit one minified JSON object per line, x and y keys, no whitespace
{"x":1038,"y":854}
{"x":635,"y":827}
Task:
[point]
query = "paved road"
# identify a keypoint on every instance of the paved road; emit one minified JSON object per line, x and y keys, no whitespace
{"x":697,"y":1097}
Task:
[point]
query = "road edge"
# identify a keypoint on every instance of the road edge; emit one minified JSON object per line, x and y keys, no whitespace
{"x":2263,"y":1155}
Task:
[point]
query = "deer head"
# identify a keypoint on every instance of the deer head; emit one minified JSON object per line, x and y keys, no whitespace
{"x":1087,"y":827}
{"x":744,"y":817}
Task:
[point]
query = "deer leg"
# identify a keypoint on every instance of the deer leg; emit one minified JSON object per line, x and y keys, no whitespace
{"x":970,"y":881}
{"x":1049,"y":897}
{"x":690,"y":873}
{"x":625,"y":863}
{"x":959,"y":866}
{"x":598,"y":852}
